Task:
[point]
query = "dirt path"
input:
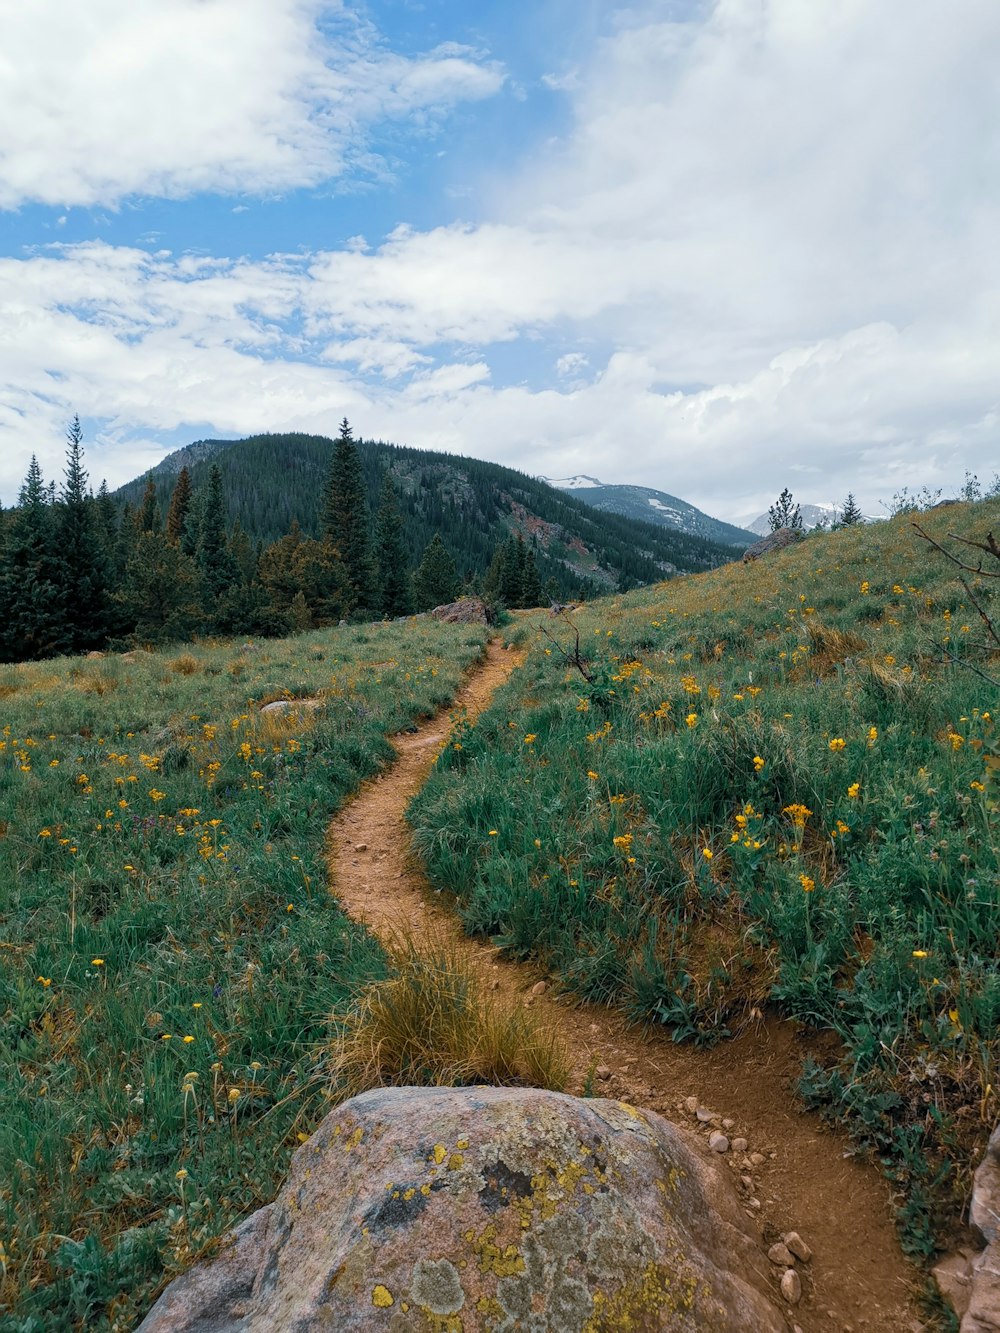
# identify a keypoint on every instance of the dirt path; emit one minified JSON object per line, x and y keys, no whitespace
{"x":803,"y":1180}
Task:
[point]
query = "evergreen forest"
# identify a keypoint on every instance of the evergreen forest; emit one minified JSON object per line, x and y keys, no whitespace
{"x":283,"y":533}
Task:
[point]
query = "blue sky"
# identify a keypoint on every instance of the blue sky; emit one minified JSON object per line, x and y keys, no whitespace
{"x":716,"y":248}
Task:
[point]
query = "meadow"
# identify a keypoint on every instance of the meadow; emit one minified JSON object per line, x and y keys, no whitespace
{"x":772,"y":786}
{"x":170,"y":955}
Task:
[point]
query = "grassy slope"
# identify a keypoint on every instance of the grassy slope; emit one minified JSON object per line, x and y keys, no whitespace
{"x":773,"y":788}
{"x":169,"y":956}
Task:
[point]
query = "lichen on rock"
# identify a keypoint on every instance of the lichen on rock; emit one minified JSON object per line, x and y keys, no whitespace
{"x":498,"y":1209}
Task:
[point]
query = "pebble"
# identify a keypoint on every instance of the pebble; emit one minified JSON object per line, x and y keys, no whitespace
{"x":718,"y":1142}
{"x":603,"y":1073}
{"x":691,"y":1105}
{"x":705,"y":1115}
{"x":791,"y":1286}
{"x":739,"y":1145}
{"x":798,"y":1246}
{"x":361,"y":847}
{"x":746,"y":1182}
{"x":781,"y":1254}
{"x":754,"y":1204}
{"x":539,"y":988}
{"x":727,"y":1123}
{"x":757,"y":1158}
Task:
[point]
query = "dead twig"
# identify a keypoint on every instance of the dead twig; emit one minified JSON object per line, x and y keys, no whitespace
{"x":989,"y":546}
{"x":574,"y":658}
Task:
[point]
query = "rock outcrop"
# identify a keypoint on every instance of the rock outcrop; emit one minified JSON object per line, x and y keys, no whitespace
{"x":466,"y":611}
{"x":485,"y":1208}
{"x":774,"y":541}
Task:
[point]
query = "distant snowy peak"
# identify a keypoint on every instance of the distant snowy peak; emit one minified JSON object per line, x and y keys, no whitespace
{"x":649,"y":506}
{"x":812,"y":515}
{"x":580,"y":483}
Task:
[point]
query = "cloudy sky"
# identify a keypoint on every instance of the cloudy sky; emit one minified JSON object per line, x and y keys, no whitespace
{"x":712,"y":246}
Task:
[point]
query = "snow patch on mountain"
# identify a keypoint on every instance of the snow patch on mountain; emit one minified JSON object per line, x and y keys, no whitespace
{"x":578,"y":483}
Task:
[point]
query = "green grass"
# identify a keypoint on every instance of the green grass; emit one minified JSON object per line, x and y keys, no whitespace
{"x":771,"y":789}
{"x":169,"y":954}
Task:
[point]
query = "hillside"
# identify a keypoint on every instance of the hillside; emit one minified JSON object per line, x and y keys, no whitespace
{"x":770,"y":787}
{"x":270,"y":481}
{"x":646,"y":505}
{"x":762,"y":793}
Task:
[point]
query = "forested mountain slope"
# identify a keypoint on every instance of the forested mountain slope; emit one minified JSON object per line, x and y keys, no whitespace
{"x":271,"y":481}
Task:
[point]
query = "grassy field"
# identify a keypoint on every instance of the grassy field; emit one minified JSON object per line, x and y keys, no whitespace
{"x":169,"y":954}
{"x":771,"y":784}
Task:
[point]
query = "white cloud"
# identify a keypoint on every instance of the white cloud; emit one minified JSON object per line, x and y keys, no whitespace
{"x":109,"y":98}
{"x":773,"y":228}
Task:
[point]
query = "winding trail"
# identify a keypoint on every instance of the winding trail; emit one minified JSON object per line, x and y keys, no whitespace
{"x":807,"y":1181}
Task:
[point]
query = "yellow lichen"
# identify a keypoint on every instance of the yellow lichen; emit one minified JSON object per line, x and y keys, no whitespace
{"x":439,"y":1153}
{"x":492,"y":1259}
{"x":630,"y":1308}
{"x":354,"y":1139}
{"x":382,"y":1297}
{"x":455,"y":1161}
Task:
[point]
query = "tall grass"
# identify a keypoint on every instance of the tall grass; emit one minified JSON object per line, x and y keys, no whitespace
{"x":766,"y":783}
{"x":169,"y":953}
{"x":432,"y":1023}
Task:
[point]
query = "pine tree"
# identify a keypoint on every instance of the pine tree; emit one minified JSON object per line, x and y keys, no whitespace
{"x":436,"y":579}
{"x":297,"y":570}
{"x":160,"y":597}
{"x":84,"y":568}
{"x":345,"y":519}
{"x":147,"y":516}
{"x":395,"y":591}
{"x":32,"y":590}
{"x":785,"y":513}
{"x":851,"y":513}
{"x":531,"y":585}
{"x":180,"y":507}
{"x":213,"y":557}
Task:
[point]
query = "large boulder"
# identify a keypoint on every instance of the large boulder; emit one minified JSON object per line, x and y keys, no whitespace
{"x":983,"y":1312}
{"x":485,"y":1208}
{"x":774,"y":541}
{"x":466,"y":611}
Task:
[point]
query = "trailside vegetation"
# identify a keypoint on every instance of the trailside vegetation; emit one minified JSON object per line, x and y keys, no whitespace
{"x":770,"y":785}
{"x":171,"y":954}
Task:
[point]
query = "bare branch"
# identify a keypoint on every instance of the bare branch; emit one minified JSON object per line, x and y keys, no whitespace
{"x":972,"y":569}
{"x":989,"y":546}
{"x":962,"y":663}
{"x":990,"y":627}
{"x":574,"y":658}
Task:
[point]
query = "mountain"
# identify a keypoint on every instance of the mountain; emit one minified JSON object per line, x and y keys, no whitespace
{"x":649,"y":506}
{"x":812,"y":515}
{"x":271,"y":481}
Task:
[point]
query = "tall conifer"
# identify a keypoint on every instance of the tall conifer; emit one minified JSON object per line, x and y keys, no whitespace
{"x":180,"y":507}
{"x":395,"y":591}
{"x":345,"y":518}
{"x":213,"y":557}
{"x":83,"y":560}
{"x":436,"y":579}
{"x":33,"y":589}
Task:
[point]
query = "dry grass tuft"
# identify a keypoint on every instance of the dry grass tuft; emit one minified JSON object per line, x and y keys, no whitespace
{"x":433,"y":1024}
{"x":99,"y":682}
{"x":830,"y":647}
{"x":185,"y":665}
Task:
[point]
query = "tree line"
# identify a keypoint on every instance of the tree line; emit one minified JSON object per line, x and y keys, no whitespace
{"x":80,"y":571}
